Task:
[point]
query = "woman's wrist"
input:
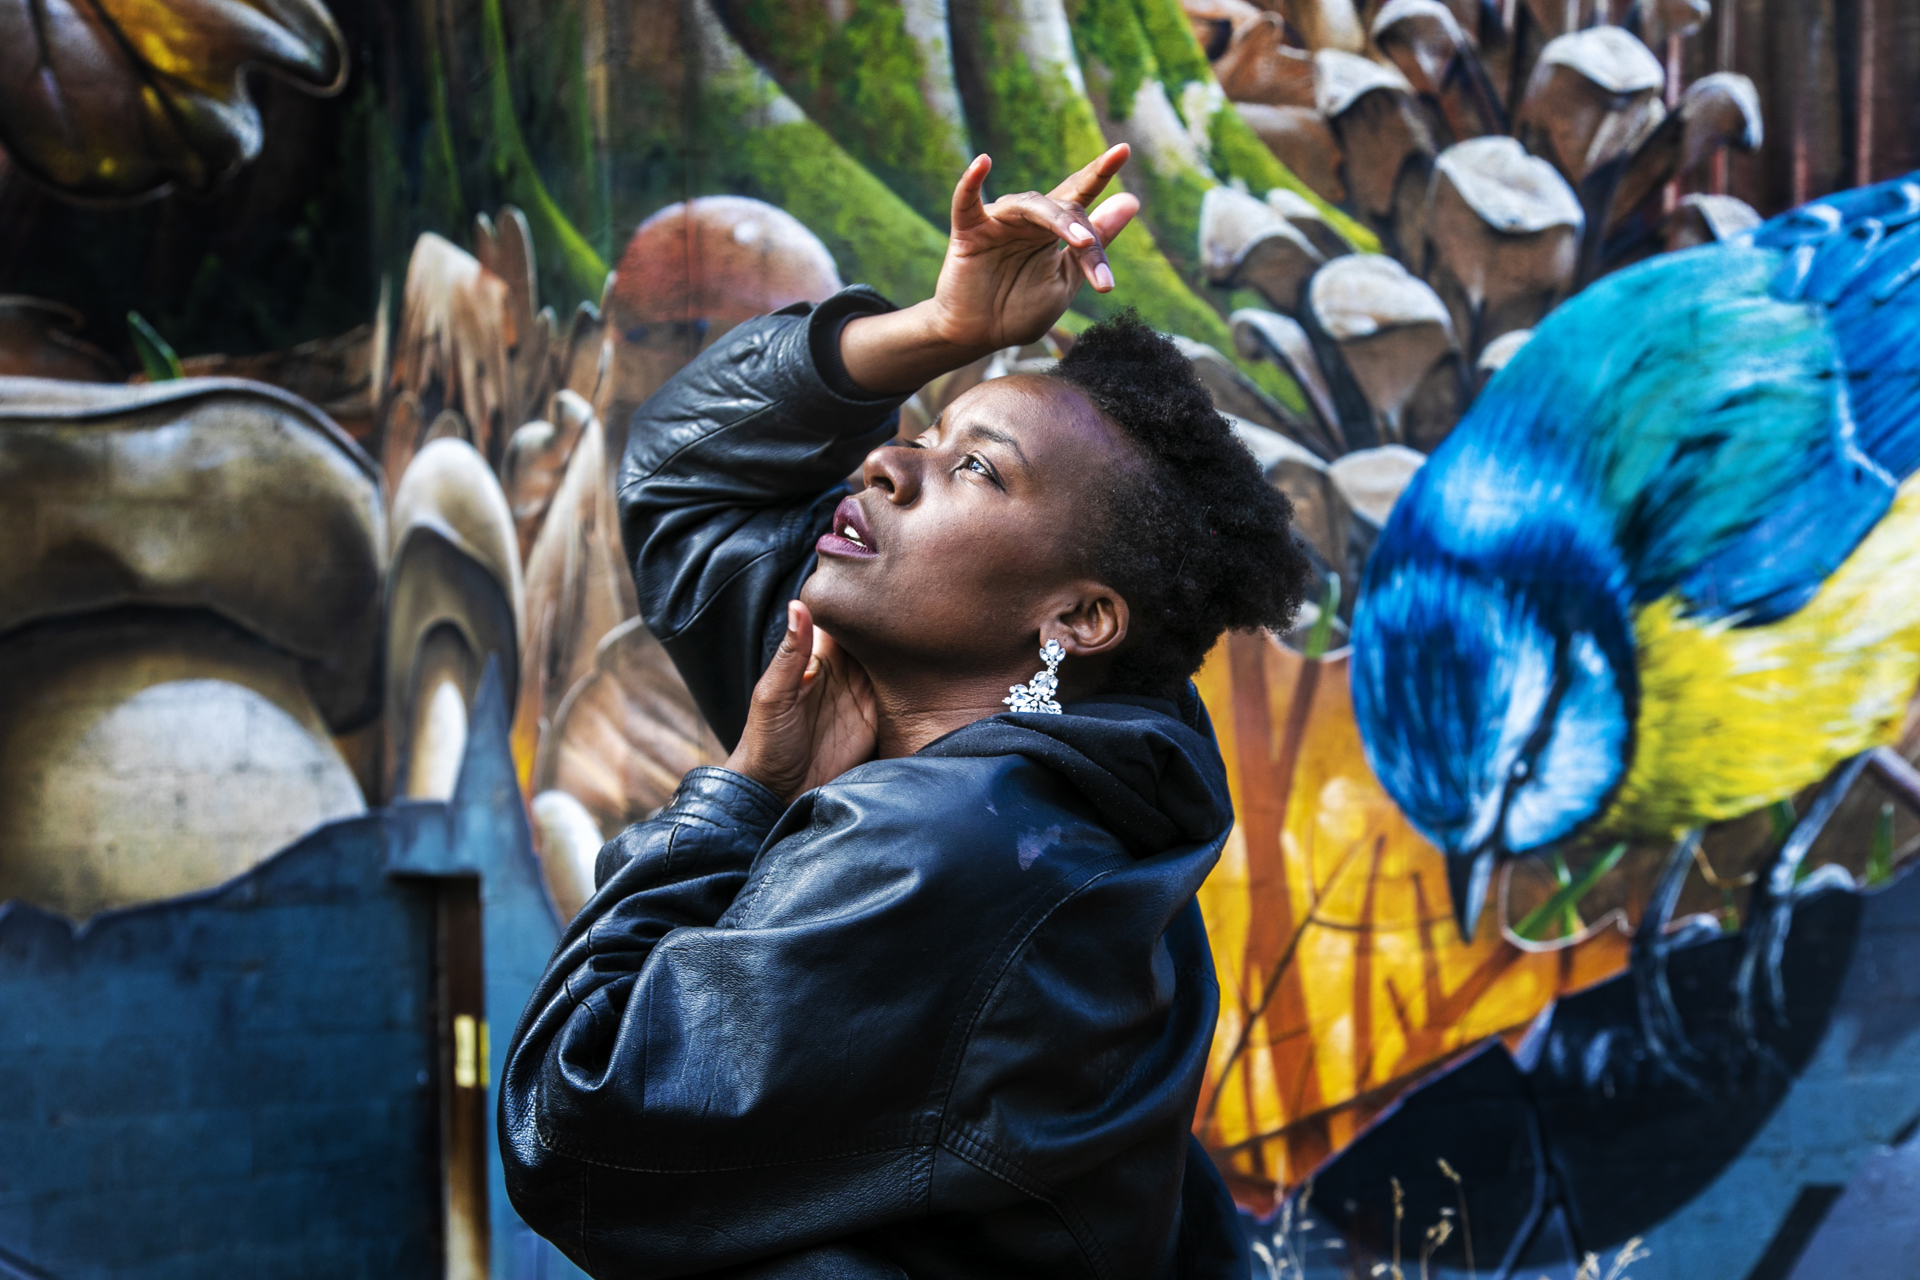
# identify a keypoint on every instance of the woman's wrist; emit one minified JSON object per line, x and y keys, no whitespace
{"x":898,"y":352}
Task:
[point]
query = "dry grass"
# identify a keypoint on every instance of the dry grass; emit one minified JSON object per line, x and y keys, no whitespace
{"x":1285,"y":1258}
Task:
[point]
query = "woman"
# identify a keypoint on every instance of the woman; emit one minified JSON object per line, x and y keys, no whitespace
{"x":915,"y":986}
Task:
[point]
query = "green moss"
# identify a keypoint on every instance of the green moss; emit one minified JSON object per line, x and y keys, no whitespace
{"x":860,"y":81}
{"x":1037,"y":126}
{"x":1274,"y":381}
{"x":1166,"y":29}
{"x":440,"y":197}
{"x":583,"y":167}
{"x":873,"y":236}
{"x":561,"y":248}
{"x":1173,"y":195}
{"x":550,"y":86}
{"x":1117,"y":61}
{"x":1075,"y":322}
{"x":1107,"y":34}
{"x":1239,"y":153}
{"x":1147,"y":281}
{"x":750,"y":145}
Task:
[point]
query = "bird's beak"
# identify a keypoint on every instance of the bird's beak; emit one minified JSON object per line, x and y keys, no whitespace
{"x":1468,"y":875}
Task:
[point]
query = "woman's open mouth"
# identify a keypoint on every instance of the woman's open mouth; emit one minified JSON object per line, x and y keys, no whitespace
{"x":849,"y":537}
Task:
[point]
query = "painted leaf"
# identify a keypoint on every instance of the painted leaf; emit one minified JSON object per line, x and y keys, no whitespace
{"x":578,"y":590}
{"x":626,"y":733}
{"x":1342,"y":977}
{"x":116,"y":99}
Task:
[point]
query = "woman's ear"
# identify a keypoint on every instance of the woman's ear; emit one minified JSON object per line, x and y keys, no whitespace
{"x":1092,"y":620}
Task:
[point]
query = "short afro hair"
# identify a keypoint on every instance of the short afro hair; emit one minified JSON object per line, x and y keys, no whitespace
{"x":1194,"y":538}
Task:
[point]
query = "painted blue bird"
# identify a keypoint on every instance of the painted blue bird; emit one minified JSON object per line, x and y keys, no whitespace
{"x":1667,"y":569}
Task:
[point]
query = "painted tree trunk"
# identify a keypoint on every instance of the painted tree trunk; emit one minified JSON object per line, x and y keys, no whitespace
{"x":692,"y":116}
{"x":875,"y":74}
{"x":1124,"y":84}
{"x":555,"y":236}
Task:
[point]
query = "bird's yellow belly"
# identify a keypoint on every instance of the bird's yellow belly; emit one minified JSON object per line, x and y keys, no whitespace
{"x":1732,"y":718}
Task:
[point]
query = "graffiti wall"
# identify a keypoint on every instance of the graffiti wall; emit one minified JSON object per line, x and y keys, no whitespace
{"x":1567,"y":924}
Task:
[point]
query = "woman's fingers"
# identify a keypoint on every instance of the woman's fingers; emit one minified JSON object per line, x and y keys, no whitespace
{"x":826,"y":655}
{"x":968,"y":210}
{"x":1070,"y":223}
{"x":1091,"y":179}
{"x":784,"y":676}
{"x":1064,"y":221}
{"x":1109,"y":220}
{"x":1113,"y":215}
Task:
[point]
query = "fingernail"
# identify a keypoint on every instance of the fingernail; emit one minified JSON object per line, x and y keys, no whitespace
{"x":1079,"y":234}
{"x":1102,"y":278}
{"x":793,"y":618}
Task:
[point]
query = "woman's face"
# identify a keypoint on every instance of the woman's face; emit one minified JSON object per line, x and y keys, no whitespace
{"x":963,"y":545}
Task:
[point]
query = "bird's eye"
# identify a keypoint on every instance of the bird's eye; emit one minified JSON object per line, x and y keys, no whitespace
{"x":1522,"y":768}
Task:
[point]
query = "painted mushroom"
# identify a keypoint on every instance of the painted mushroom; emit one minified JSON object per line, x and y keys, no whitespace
{"x":454,"y":599}
{"x":690,"y":273}
{"x":1245,"y":243}
{"x":1503,"y":238}
{"x":174,"y":706}
{"x":1391,"y":336}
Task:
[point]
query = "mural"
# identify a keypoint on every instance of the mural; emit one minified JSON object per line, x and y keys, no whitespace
{"x":1565,"y":929}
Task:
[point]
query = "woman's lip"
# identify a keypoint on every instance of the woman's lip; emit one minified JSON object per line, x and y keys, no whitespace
{"x":849,"y":534}
{"x":848,"y":519}
{"x":832,"y":544}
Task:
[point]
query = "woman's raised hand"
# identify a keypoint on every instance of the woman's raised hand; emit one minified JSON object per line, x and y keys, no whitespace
{"x":812,"y":717}
{"x":1007,"y":277}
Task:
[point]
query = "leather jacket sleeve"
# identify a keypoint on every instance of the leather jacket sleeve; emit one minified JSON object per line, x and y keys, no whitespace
{"x":680,"y":869}
{"x":731,"y":475}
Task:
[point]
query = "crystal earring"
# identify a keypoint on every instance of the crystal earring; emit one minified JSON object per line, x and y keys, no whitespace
{"x":1037,"y":693}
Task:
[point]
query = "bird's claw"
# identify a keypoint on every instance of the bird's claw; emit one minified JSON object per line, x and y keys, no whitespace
{"x":1770,"y":912}
{"x":1666,"y":1035}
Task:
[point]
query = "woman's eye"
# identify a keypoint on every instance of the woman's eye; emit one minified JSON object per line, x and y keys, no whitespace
{"x":975,"y":463}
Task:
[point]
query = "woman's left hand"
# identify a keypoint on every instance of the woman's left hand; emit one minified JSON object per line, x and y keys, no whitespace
{"x":812,"y":717}
{"x":1012,"y":269}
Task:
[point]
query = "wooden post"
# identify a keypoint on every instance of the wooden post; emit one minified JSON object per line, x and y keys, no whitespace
{"x":1725,"y":55}
{"x":1863,"y":94}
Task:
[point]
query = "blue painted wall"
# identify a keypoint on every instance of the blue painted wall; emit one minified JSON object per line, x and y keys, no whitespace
{"x":242,"y":1082}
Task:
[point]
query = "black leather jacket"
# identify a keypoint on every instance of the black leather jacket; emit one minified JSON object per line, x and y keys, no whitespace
{"x":946,"y":1016}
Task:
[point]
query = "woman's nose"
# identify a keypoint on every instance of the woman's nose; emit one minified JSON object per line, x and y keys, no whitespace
{"x":896,"y":470}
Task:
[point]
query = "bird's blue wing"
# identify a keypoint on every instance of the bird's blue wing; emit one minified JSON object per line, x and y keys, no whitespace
{"x":1743,"y":411}
{"x":1851,"y":259}
{"x":1685,"y":399}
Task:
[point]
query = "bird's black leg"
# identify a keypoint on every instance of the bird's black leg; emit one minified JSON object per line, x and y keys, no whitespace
{"x":1659,"y":1019}
{"x":1770,"y":912}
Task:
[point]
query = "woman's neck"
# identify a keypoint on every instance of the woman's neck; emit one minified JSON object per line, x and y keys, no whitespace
{"x":912,"y":708}
{"x":908,"y":717}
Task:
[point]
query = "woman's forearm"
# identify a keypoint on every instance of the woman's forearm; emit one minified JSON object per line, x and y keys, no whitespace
{"x":900,"y":351}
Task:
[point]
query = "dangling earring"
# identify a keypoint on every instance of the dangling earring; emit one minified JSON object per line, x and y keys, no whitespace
{"x":1037,"y":693}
